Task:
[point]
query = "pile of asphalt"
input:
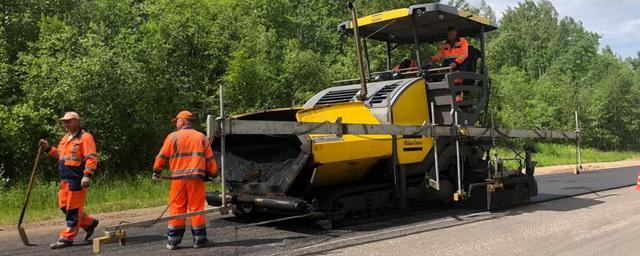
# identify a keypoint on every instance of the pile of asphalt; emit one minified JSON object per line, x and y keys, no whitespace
{"x":260,"y":165}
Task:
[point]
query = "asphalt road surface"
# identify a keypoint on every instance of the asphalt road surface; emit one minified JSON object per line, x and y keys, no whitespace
{"x":606,"y":223}
{"x":608,"y":218}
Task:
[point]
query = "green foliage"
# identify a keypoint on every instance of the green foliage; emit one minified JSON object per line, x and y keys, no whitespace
{"x":4,"y":65}
{"x":550,"y":154}
{"x":545,"y":68}
{"x":4,"y":182}
{"x":128,"y":66}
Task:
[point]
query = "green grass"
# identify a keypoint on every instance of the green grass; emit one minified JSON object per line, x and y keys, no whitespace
{"x":559,"y":154}
{"x":105,"y":195}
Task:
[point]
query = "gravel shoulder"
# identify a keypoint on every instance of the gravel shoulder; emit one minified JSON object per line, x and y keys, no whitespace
{"x":569,"y":168}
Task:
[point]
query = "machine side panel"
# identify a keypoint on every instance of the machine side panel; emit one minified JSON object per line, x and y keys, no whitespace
{"x":348,"y":158}
{"x":410,"y":107}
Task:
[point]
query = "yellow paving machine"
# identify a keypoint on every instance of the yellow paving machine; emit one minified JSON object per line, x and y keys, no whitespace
{"x":387,"y":140}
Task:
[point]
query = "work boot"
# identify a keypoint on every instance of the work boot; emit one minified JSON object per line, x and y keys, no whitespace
{"x":89,"y":230}
{"x":172,"y":246}
{"x":62,"y":243}
{"x":199,"y":243}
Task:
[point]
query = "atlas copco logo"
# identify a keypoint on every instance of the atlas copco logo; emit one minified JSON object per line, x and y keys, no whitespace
{"x":412,"y":142}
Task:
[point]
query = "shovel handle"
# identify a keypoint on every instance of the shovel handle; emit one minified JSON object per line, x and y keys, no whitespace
{"x":31,"y":181}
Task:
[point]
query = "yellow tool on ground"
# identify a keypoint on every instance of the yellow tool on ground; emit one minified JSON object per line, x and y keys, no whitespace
{"x":109,"y":237}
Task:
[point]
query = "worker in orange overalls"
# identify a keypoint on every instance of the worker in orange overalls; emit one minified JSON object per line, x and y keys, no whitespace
{"x":191,"y":162}
{"x":453,"y":52}
{"x":77,"y":163}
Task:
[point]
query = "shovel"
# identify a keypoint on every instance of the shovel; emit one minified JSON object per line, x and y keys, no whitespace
{"x":23,"y":234}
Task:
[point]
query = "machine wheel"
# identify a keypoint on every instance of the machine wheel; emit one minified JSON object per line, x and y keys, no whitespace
{"x":325,"y":224}
{"x":242,"y":211}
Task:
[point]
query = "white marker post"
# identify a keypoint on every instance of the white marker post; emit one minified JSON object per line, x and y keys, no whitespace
{"x":435,"y":148}
{"x":578,"y":156}
{"x":222,"y":147}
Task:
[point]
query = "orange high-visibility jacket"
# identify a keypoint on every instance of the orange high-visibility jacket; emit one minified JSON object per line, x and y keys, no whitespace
{"x":76,"y":152}
{"x":459,"y":51}
{"x":189,"y":155}
{"x":413,"y":66}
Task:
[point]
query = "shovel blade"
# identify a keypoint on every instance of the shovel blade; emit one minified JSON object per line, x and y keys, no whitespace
{"x":23,"y":236}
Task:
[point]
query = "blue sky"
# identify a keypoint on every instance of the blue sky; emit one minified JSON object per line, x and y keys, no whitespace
{"x":616,"y":21}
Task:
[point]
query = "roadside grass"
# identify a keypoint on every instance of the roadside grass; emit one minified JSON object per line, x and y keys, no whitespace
{"x":105,"y":195}
{"x":560,"y":154}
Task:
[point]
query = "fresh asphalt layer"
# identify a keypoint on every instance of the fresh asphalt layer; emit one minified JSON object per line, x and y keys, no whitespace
{"x":602,"y":223}
{"x":301,"y":237}
{"x":555,"y":186}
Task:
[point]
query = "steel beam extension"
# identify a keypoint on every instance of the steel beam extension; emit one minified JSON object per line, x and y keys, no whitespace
{"x":301,"y":128}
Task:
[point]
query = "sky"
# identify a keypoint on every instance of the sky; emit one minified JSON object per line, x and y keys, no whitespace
{"x":616,"y":21}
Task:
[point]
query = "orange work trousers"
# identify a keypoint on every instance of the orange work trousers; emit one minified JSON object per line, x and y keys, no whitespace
{"x":71,"y":198}
{"x":186,"y":195}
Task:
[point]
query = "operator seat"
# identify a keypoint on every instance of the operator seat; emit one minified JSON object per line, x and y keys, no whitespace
{"x":470,"y":64}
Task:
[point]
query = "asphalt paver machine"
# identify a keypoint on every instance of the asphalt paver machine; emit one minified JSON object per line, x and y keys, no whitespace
{"x":387,"y":140}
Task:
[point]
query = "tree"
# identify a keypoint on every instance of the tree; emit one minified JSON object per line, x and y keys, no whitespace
{"x":129,"y":66}
{"x":4,"y":68}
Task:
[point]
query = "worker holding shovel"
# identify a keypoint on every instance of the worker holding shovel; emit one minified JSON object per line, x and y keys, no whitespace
{"x":77,"y":163}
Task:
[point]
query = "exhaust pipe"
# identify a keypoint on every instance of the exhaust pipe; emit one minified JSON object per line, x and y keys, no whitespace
{"x":356,"y":36}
